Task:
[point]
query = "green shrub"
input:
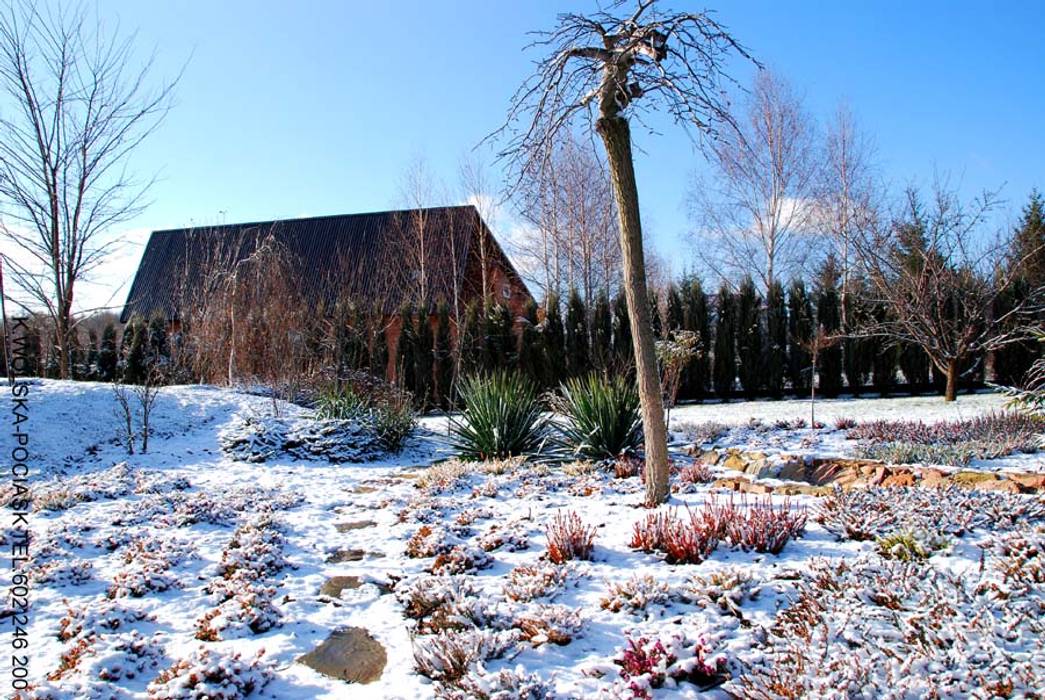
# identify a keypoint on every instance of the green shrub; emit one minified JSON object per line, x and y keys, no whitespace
{"x":601,"y":417}
{"x":501,"y":417}
{"x":340,"y":404}
{"x":385,"y":409}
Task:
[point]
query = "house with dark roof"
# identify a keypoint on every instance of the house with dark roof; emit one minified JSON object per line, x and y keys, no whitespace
{"x":379,"y":260}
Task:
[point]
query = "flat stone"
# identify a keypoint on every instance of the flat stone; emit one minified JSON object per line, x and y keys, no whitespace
{"x":735,"y":461}
{"x":346,"y":555}
{"x":793,"y":470}
{"x":971,"y":478}
{"x":710,"y":457}
{"x":997,"y":485}
{"x":350,"y":655}
{"x":899,"y":478}
{"x":1031,"y":482}
{"x":761,"y":489}
{"x":363,"y":489}
{"x":932,"y":477}
{"x":335,"y":584}
{"x":760,"y":468}
{"x":731,"y":484}
{"x":357,"y":525}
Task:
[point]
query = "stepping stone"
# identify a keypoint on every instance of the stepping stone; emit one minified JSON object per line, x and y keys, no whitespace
{"x":346,"y":555}
{"x":362,"y":489}
{"x":350,"y":655}
{"x":357,"y":525}
{"x":334,"y":585}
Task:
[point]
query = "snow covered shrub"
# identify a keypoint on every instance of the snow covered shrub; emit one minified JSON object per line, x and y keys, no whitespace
{"x":549,"y":624}
{"x":207,"y":675}
{"x":726,"y":589}
{"x":580,"y":467}
{"x":249,"y":609}
{"x":646,"y":664}
{"x":790,"y":424}
{"x":525,"y":583}
{"x":461,"y":558}
{"x":626,"y":466}
{"x":260,"y":439}
{"x":1021,"y":557}
{"x":569,"y":538}
{"x":60,"y":572}
{"x":693,"y":474}
{"x":70,"y":658}
{"x":148,"y":561}
{"x":600,"y":417}
{"x":139,"y":580}
{"x":440,"y":602}
{"x":429,"y":541}
{"x":872,"y":627}
{"x":513,"y":536}
{"x":688,"y":540}
{"x":845,"y":423}
{"x":757,"y":526}
{"x":501,"y":417}
{"x":444,"y":476}
{"x":703,"y":433}
{"x":634,"y":594}
{"x":62,"y":494}
{"x":867,"y":514}
{"x":129,"y":655}
{"x":908,"y":545}
{"x":99,"y":615}
{"x":506,"y":684}
{"x":255,"y":549}
{"x":448,"y":655}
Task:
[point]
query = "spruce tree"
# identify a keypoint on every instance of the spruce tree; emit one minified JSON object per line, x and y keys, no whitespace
{"x":136,"y":360}
{"x":725,"y":361}
{"x":529,"y":356}
{"x":1027,"y":263}
{"x":406,"y":350}
{"x":424,"y":360}
{"x":379,"y":353}
{"x":601,"y":332}
{"x":884,"y":361}
{"x":655,"y":313}
{"x":914,"y":365}
{"x":622,"y":347}
{"x":91,"y":360}
{"x":107,"y":358}
{"x":776,"y":339}
{"x":828,"y":318}
{"x":799,"y":333}
{"x":749,"y":336}
{"x":577,"y":351}
{"x":158,"y":351}
{"x":443,"y":357}
{"x":697,"y":374}
{"x":554,"y":343}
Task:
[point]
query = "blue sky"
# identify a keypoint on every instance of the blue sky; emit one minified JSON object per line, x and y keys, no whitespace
{"x":307,"y":108}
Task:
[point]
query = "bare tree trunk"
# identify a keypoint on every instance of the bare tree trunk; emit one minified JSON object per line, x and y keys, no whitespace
{"x":617,"y":138}
{"x":951,"y":393}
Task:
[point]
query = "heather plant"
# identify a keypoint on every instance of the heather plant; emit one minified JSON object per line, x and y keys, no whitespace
{"x":1011,"y":431}
{"x":600,"y":417}
{"x":208,"y":674}
{"x":501,"y":417}
{"x":569,"y":538}
{"x":544,"y":623}
{"x":692,"y":475}
{"x":541,"y":580}
{"x":461,"y":559}
{"x":634,"y":594}
{"x":649,"y":663}
{"x":759,"y":525}
{"x":726,"y":589}
{"x":702,"y":433}
{"x":448,"y":655}
{"x":688,"y":540}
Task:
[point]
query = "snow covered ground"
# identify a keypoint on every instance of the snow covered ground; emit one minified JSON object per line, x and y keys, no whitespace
{"x":139,"y":562}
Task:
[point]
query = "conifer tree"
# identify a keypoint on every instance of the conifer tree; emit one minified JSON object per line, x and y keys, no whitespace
{"x":799,"y":333}
{"x":554,"y":343}
{"x":500,"y":338}
{"x":443,"y":357}
{"x":158,"y":351}
{"x":424,"y":359}
{"x":749,"y":336}
{"x":725,"y":361}
{"x":828,"y":318}
{"x":577,"y":351}
{"x":379,"y":353}
{"x":622,"y":347}
{"x":884,"y":358}
{"x":601,"y":332}
{"x":136,"y":359}
{"x":471,"y":344}
{"x":697,"y":374}
{"x":776,"y":339}
{"x":1027,"y":260}
{"x":529,"y":356}
{"x":914,"y":365}
{"x":673,"y":312}
{"x":90,"y":370}
{"x":406,"y":350}
{"x":655,"y":313}
{"x":107,"y":358}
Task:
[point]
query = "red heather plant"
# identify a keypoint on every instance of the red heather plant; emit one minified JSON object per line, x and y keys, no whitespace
{"x":844,"y":423}
{"x":696,"y":473}
{"x":758,"y":526}
{"x":683,"y":541}
{"x":1008,"y":426}
{"x":569,"y":538}
{"x":646,"y":664}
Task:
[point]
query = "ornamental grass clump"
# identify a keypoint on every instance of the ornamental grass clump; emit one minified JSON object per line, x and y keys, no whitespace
{"x":502,"y":417}
{"x":601,"y":417}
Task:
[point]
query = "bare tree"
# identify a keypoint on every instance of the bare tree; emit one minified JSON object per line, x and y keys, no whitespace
{"x":757,"y":216}
{"x":147,"y":392}
{"x":821,"y":340}
{"x":573,"y":242}
{"x":850,"y":198}
{"x":78,"y":114}
{"x":478,"y":191}
{"x":124,"y":413}
{"x":418,"y":191}
{"x":938,"y":275}
{"x":609,"y":67}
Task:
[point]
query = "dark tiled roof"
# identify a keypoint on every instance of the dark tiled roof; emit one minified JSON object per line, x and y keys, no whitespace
{"x":368,"y":256}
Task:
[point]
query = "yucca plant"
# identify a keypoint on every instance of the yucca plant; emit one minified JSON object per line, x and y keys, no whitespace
{"x":600,"y":417}
{"x":502,"y":417}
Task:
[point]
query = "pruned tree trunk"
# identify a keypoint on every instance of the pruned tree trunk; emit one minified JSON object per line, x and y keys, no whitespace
{"x":951,"y":393}
{"x":617,"y":138}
